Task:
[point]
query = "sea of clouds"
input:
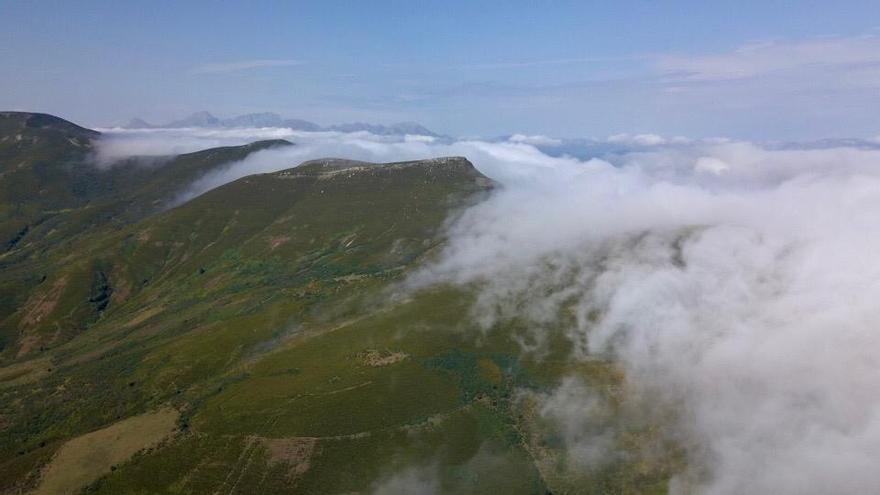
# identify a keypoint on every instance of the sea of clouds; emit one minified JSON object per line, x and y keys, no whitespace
{"x":738,"y":282}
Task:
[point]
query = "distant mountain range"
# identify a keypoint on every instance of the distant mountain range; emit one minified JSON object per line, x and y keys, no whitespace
{"x":268,"y":119}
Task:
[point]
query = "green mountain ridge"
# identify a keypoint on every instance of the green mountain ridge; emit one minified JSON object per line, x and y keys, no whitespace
{"x":49,"y":171}
{"x":258,"y":339}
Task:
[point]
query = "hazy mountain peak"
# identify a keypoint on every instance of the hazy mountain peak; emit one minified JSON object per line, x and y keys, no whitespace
{"x":137,"y":123}
{"x":400,"y":128}
{"x":263,"y":119}
{"x":271,"y":119}
{"x":198,"y":119}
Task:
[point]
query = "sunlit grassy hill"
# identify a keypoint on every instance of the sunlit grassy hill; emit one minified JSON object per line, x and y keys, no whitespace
{"x":256,"y":339}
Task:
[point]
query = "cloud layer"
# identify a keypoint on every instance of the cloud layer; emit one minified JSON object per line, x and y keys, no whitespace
{"x":734,"y":282}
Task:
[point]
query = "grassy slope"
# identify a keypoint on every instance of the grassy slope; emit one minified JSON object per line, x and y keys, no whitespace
{"x":54,"y":204}
{"x":261,"y":312}
{"x":90,"y":456}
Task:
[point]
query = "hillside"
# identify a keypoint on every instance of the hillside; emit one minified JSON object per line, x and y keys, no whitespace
{"x":48,"y":171}
{"x":54,"y":200}
{"x":257,"y":339}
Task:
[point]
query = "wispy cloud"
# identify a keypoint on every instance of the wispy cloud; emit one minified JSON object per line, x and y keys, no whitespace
{"x":554,"y":61}
{"x":839,"y":54}
{"x":854,"y":54}
{"x":836,"y":62}
{"x":221,"y":68}
{"x":778,"y":89}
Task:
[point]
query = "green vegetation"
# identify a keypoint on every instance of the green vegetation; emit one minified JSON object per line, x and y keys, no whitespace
{"x":87,"y":457}
{"x":261,"y":315}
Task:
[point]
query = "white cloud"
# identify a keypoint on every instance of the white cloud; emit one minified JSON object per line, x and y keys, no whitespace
{"x":745,"y":299}
{"x":583,"y":419}
{"x":419,"y":479}
{"x":638,"y":139}
{"x":710,"y":165}
{"x":415,"y":138}
{"x":536,"y":140}
{"x":116,"y":144}
{"x":242,"y":65}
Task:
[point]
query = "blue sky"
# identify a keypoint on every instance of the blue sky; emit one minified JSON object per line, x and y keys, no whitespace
{"x":750,"y":69}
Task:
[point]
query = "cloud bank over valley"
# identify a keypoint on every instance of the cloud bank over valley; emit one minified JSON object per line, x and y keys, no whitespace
{"x":735,"y":283}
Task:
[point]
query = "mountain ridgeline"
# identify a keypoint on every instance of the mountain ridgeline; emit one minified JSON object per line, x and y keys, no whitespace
{"x":268,"y":119}
{"x":257,"y":338}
